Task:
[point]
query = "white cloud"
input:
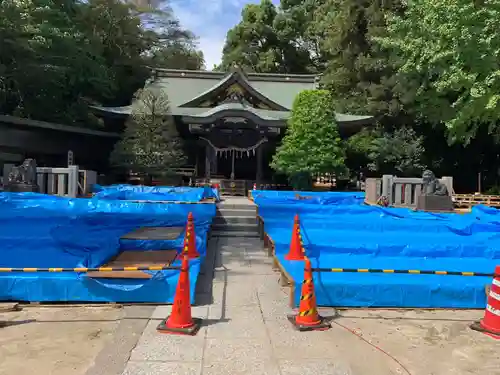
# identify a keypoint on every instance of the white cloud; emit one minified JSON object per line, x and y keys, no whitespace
{"x":212,"y":50}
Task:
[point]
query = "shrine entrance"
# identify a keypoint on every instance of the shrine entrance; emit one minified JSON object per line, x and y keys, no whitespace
{"x":237,"y":165}
{"x":233,"y":149}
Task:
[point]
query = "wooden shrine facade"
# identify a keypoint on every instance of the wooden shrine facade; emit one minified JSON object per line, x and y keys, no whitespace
{"x":232,"y":122}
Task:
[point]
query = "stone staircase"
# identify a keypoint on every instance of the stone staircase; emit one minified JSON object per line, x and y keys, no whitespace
{"x":236,"y":217}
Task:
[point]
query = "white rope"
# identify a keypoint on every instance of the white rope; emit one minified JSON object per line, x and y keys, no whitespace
{"x":231,"y":149}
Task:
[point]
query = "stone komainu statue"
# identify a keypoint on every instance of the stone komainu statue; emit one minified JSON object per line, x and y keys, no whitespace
{"x":432,"y":186}
{"x":25,"y":174}
{"x":15,"y":176}
{"x":29,"y":167}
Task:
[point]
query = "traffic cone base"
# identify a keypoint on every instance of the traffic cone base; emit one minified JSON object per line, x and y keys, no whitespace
{"x":477,"y":326}
{"x":490,"y":324}
{"x":180,"y":321}
{"x":320,"y":325}
{"x":190,"y":330}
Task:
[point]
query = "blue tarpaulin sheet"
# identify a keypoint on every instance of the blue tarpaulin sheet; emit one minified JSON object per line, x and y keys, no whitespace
{"x":42,"y":231}
{"x":339,"y":231}
{"x":155,"y":193}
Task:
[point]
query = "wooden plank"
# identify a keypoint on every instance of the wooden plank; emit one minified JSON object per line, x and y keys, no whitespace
{"x":154,"y":233}
{"x":136,"y":259}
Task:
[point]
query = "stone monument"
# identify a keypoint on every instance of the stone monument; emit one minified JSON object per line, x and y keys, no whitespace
{"x":435,"y":196}
{"x":22,"y":179}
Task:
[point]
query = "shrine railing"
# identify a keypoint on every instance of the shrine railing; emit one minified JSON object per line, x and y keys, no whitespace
{"x":398,"y":191}
{"x":66,"y":182}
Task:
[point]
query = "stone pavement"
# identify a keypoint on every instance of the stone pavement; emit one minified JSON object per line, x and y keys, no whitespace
{"x":245,"y":330}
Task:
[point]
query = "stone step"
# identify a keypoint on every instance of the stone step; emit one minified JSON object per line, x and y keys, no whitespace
{"x":249,"y":212}
{"x":234,"y":234}
{"x":226,"y":219}
{"x":235,"y":227}
{"x":236,"y":206}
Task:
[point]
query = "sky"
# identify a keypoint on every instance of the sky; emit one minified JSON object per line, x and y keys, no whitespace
{"x":210,"y":20}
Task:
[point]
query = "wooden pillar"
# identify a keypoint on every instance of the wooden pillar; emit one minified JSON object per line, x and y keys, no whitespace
{"x":233,"y":154}
{"x":214,"y":160}
{"x":208,"y":150}
{"x":258,"y":177}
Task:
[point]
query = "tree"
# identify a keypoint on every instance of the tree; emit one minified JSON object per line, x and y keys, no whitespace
{"x":301,"y":22}
{"x":176,"y":56}
{"x":57,"y":57}
{"x":360,"y":74}
{"x":449,"y":52}
{"x":47,"y":66}
{"x":262,"y":42}
{"x":252,"y":44}
{"x":375,"y":151}
{"x":150,"y":143}
{"x":311,"y":144}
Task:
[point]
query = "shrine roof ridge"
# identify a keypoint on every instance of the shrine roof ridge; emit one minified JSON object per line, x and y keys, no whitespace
{"x":202,"y":74}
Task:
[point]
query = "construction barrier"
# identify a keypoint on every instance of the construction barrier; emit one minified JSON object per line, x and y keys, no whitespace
{"x":410,"y":272}
{"x":170,"y":194}
{"x":189,"y":249}
{"x":337,"y":256}
{"x":297,"y":252}
{"x":85,"y":270}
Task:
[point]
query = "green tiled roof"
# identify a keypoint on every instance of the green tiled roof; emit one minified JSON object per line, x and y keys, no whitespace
{"x":185,"y":87}
{"x":262,"y":113}
{"x":182,"y":86}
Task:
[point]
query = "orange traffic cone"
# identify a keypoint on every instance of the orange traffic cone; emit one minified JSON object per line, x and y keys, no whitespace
{"x":296,"y":250}
{"x":180,"y":321}
{"x":308,"y":318}
{"x":490,"y":324}
{"x":189,"y":247}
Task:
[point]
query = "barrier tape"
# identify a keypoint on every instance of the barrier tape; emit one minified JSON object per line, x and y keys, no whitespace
{"x":84,"y":270}
{"x":411,"y":272}
{"x":173,"y":202}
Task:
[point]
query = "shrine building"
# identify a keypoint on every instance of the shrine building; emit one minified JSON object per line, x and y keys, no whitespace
{"x":231,"y":122}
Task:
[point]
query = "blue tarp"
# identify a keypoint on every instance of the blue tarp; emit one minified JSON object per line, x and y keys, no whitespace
{"x":38,"y":230}
{"x":344,"y":233}
{"x":155,"y":193}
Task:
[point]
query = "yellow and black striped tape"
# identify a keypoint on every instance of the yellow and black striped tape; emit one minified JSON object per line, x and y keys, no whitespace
{"x":83,"y":269}
{"x":307,"y":312}
{"x":172,"y":202}
{"x":306,"y":296}
{"x":411,"y":272}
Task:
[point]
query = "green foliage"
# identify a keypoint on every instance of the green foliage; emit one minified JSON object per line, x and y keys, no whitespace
{"x":375,"y":151}
{"x":150,"y":143}
{"x":429,"y":65}
{"x":449,"y":52}
{"x":359,"y":73}
{"x":311,"y":144}
{"x":265,"y":41}
{"x":59,"y":56}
